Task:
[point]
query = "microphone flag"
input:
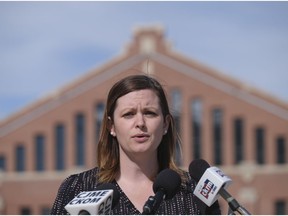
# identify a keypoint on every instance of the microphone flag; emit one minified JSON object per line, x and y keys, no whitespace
{"x":97,"y":202}
{"x":209,"y":185}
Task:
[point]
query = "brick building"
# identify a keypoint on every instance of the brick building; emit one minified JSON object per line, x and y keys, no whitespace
{"x":235,"y":127}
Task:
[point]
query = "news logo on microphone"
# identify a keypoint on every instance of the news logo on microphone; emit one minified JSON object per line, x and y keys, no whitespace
{"x":209,"y":185}
{"x":208,"y":188}
{"x":97,"y":202}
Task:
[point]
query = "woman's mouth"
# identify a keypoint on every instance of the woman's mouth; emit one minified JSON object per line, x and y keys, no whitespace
{"x":141,"y":138}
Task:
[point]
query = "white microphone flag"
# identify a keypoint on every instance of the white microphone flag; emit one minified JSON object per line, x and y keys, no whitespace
{"x":97,"y":202}
{"x":209,"y":185}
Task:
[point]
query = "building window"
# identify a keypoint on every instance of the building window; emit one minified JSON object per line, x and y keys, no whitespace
{"x":80,"y":139}
{"x":176,"y":102}
{"x":281,"y":150}
{"x":98,"y":119}
{"x":217,"y":116}
{"x":196,"y":108}
{"x":25,"y":211}
{"x":280,"y":207}
{"x":260,"y":145}
{"x":20,"y":158}
{"x":2,"y":163}
{"x":45,"y":211}
{"x":40,"y":152}
{"x":60,"y":147}
{"x":238,"y":140}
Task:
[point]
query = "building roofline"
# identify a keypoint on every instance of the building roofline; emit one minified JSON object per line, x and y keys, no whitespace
{"x":171,"y":59}
{"x":229,"y":79}
{"x":228,"y":87}
{"x":67,"y":93}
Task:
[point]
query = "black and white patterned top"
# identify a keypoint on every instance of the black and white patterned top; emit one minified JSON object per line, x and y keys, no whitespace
{"x":184,"y":202}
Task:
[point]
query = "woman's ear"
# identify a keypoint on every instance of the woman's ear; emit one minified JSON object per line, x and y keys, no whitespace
{"x":110,"y":126}
{"x":166,"y":124}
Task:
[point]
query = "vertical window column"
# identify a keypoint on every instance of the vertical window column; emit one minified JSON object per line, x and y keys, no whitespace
{"x":60,"y":147}
{"x":260,"y":145}
{"x":217,"y":117}
{"x":196,"y":127}
{"x":176,"y":112}
{"x":39,"y":153}
{"x":281,"y":150}
{"x":238,"y":140}
{"x":25,"y":210}
{"x":2,"y":163}
{"x":99,"y":114}
{"x":20,"y":163}
{"x":280,"y":207}
{"x":80,"y":139}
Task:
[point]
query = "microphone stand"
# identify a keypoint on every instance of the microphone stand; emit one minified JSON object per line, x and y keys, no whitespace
{"x":233,"y":204}
{"x":148,"y":207}
{"x":230,"y":212}
{"x":153,"y":203}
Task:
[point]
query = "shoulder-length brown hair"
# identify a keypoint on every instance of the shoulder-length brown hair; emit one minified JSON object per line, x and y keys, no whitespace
{"x":108,"y":147}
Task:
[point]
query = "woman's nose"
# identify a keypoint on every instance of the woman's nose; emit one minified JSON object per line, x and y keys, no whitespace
{"x":140,"y":121}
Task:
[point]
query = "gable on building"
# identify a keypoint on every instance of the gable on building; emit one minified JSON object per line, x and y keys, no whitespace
{"x":218,"y":118}
{"x":148,"y":48}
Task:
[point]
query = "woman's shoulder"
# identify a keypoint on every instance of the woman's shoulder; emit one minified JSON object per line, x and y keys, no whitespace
{"x":86,"y":180}
{"x":72,"y":185}
{"x":84,"y":174}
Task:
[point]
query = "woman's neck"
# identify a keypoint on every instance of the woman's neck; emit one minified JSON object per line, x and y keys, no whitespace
{"x":138,"y":168}
{"x":136,"y":178}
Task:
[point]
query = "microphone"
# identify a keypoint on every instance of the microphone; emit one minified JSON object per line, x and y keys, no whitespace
{"x":98,"y":202}
{"x":212,"y":182}
{"x":165,"y":186}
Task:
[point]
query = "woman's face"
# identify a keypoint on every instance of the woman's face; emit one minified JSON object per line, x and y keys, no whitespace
{"x":138,"y":123}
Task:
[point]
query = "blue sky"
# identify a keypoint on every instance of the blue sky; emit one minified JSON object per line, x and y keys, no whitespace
{"x":45,"y":45}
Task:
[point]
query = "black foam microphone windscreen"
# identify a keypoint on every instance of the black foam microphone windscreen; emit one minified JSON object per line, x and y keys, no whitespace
{"x":169,"y":181}
{"x":197,"y":168}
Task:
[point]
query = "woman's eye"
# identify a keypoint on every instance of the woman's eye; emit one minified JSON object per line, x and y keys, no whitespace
{"x":128,"y":115}
{"x":150,"y":113}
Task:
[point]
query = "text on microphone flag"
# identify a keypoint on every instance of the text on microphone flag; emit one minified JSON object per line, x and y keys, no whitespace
{"x":93,"y":202}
